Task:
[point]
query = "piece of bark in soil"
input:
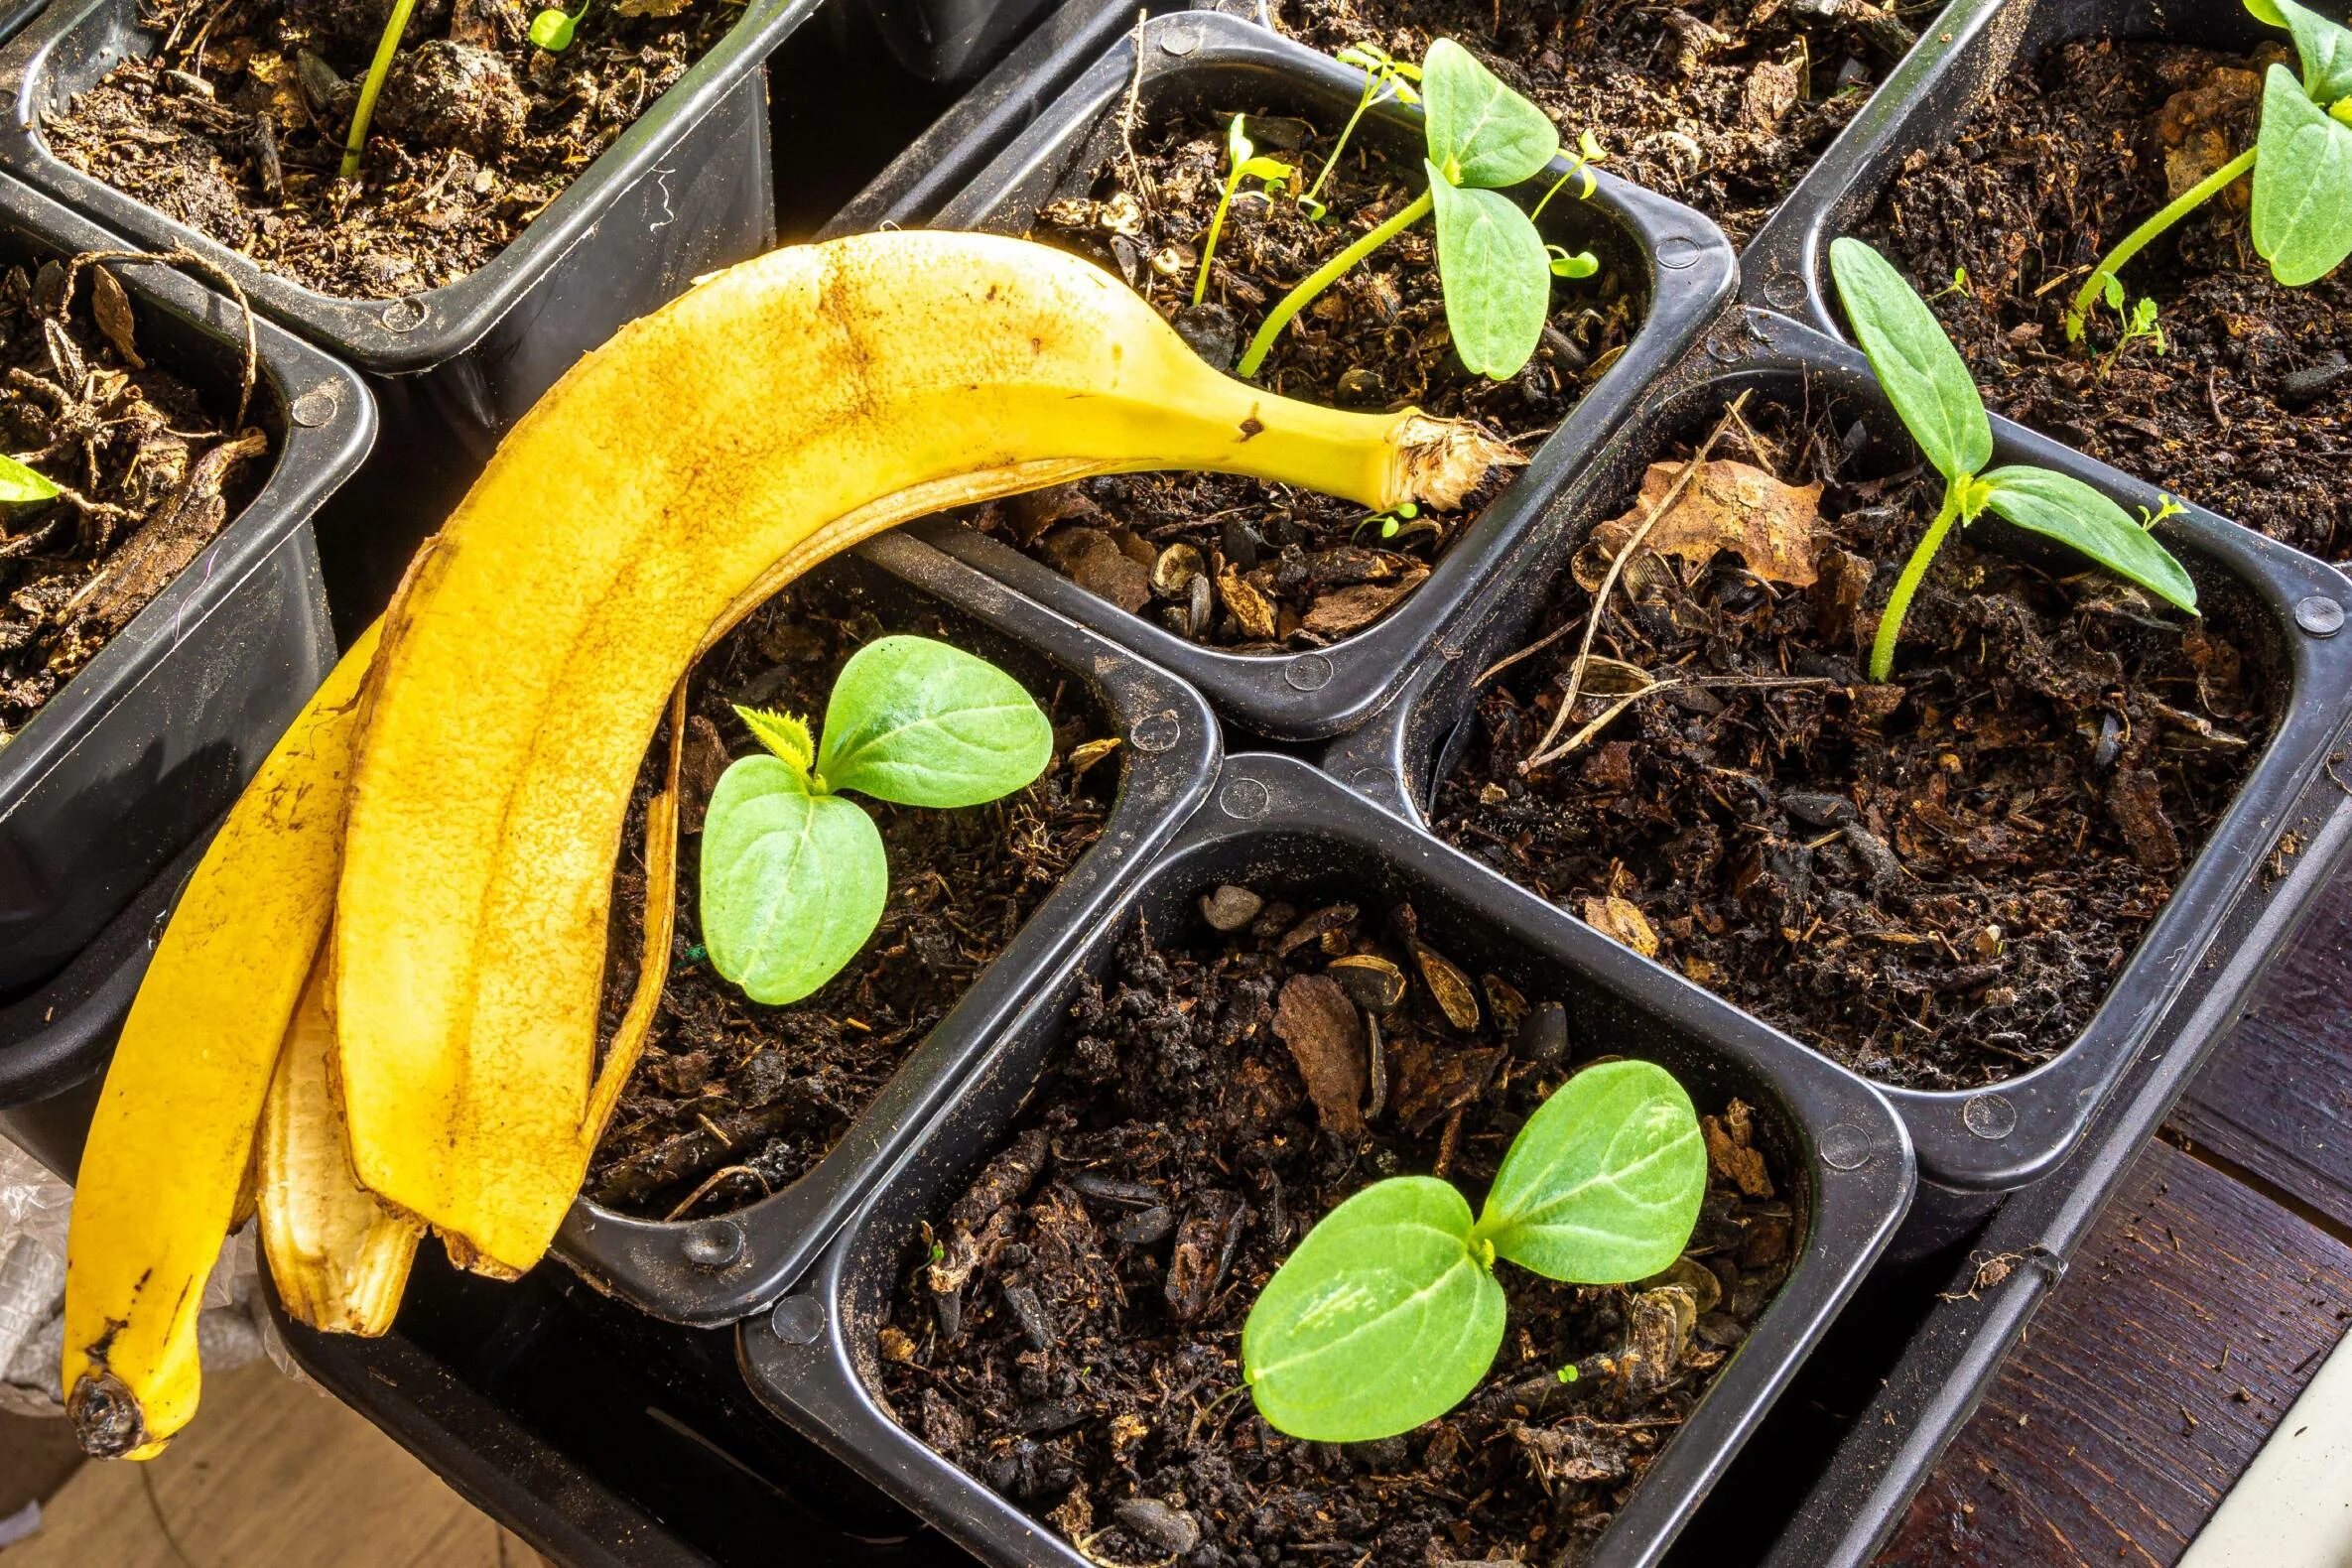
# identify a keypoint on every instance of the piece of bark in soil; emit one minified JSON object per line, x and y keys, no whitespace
{"x":1008,"y":1179}
{"x":698,"y":772}
{"x":1433,"y":1079}
{"x":1731,"y":1150}
{"x":637,"y":1179}
{"x":1204,"y":1253}
{"x":1325,"y":1034}
{"x":2136,"y":802}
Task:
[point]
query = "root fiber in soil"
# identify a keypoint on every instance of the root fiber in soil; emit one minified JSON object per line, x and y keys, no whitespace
{"x":1934,"y":881}
{"x":734,"y":1101}
{"x":1070,"y":1333}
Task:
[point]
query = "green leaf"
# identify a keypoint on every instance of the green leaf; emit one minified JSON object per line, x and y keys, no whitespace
{"x":2302,"y":184}
{"x":786,"y":735}
{"x":1479,"y":132}
{"x":1496,"y":277}
{"x":922,"y":724}
{"x":1921,"y":371}
{"x":19,"y":484}
{"x":1385,"y":1317}
{"x":1603,"y":1182}
{"x":552,"y":30}
{"x":2324,"y":48}
{"x":792,"y":883}
{"x":2071,"y":512}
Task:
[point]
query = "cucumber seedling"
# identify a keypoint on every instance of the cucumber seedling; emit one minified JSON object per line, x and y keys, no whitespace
{"x":1389,"y":1314}
{"x":793,"y":875}
{"x":1492,"y":262}
{"x":1241,"y":163}
{"x":1383,"y":79}
{"x":1928,"y":384}
{"x":2301,"y":159}
{"x":552,"y":28}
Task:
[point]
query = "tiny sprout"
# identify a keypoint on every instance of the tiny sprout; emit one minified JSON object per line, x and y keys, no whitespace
{"x":1568,"y":1374}
{"x":1383,"y":79}
{"x":1927,"y":382}
{"x":2140,"y":324}
{"x":2166,"y":507}
{"x":1244,"y":165}
{"x":1400,"y":521}
{"x":552,"y":29}
{"x":1959,"y":284}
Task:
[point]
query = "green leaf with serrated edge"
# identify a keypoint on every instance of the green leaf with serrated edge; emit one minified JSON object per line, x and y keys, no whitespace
{"x":792,"y":883}
{"x":2321,"y":46}
{"x":2302,"y":184}
{"x":2073,"y":513}
{"x":1479,"y":131}
{"x":1496,"y":278}
{"x":19,"y":484}
{"x":1383,"y":1318}
{"x":786,"y":735}
{"x":1603,"y":1182}
{"x":1917,"y":368}
{"x":921,"y":724}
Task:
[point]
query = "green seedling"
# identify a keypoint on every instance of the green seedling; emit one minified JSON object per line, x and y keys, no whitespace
{"x":793,"y":875}
{"x":1389,"y":1314}
{"x":1398,"y":523}
{"x":377,"y":69}
{"x":552,"y":28}
{"x":2140,"y":324}
{"x":1383,"y":79}
{"x":1243,"y":163}
{"x":20,"y":485}
{"x":2301,"y":158}
{"x":1959,"y":284}
{"x":1481,"y":139}
{"x":1928,"y":384}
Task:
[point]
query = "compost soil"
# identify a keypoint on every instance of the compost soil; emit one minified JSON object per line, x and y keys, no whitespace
{"x":237,"y":126}
{"x":1934,"y":880}
{"x":1071,"y":1335}
{"x":150,"y":468}
{"x":734,"y":1101}
{"x":1722,"y":106}
{"x":1278,"y":568}
{"x":2249,"y":412}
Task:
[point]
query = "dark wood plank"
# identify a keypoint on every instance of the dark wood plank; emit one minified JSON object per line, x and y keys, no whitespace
{"x":2117,"y":1427}
{"x":2276,"y":1097}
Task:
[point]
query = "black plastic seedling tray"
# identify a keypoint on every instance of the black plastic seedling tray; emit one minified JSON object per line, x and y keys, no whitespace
{"x":1682,"y":262}
{"x":1972,"y":1145}
{"x":717,"y":1270}
{"x":148,"y":744}
{"x":1275,"y":822}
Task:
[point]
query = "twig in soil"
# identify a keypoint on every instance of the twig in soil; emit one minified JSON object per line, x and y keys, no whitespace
{"x":1715,"y":682}
{"x":685,"y":1206}
{"x":1133,"y":108}
{"x":180,"y":256}
{"x":1537,"y":646}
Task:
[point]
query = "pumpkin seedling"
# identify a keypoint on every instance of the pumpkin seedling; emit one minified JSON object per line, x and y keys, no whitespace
{"x":1243,"y":163}
{"x":1383,"y":79}
{"x":1928,"y":384}
{"x":1389,"y":1314}
{"x":2301,"y":159}
{"x":552,"y":28}
{"x":1481,"y":139}
{"x":793,"y":875}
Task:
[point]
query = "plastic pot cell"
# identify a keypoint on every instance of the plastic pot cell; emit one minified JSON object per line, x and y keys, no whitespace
{"x":1672,"y":259}
{"x":715,"y":1271}
{"x":2275,"y":602}
{"x":1276,"y":826}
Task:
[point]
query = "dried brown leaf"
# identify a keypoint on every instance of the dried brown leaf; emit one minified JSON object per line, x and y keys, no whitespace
{"x":1736,"y":506}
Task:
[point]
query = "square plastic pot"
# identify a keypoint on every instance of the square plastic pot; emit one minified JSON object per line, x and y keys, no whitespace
{"x":717,"y":1270}
{"x":950,"y":40}
{"x":1973,"y":1145}
{"x":143,"y":748}
{"x":1681,"y":260}
{"x":1274,"y":821}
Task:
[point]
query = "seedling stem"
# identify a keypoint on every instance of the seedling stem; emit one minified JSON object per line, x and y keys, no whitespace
{"x":380,"y":68}
{"x":2111,"y":266}
{"x":1324,"y":277}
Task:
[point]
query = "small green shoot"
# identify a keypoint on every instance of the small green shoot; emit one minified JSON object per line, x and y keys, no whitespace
{"x":1383,"y":79}
{"x":1242,"y":164}
{"x":1959,"y":285}
{"x":794,"y":877}
{"x":20,"y":485}
{"x":377,"y":69}
{"x":2301,"y":158}
{"x":1497,"y":272}
{"x":1398,"y":523}
{"x":552,"y":29}
{"x":1389,"y":1314}
{"x":2140,"y":325}
{"x":1927,"y":382}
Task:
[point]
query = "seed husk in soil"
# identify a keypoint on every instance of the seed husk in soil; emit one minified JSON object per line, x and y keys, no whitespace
{"x":1070,"y":1330}
{"x":1934,"y":880}
{"x":734,"y":1101}
{"x":1722,"y":106}
{"x":152,"y":471}
{"x":2249,"y":411}
{"x":1259,"y":568}
{"x":237,"y":126}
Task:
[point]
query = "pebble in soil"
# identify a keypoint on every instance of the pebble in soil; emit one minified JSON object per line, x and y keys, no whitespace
{"x":734,"y":1100}
{"x":1259,"y":568}
{"x":2249,"y":412}
{"x":1724,"y":107}
{"x":235,"y":126}
{"x":1934,"y":881}
{"x":1071,"y":1332}
{"x":152,"y":469}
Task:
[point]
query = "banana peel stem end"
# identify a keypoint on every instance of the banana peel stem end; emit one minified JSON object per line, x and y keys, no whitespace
{"x":107,"y":1418}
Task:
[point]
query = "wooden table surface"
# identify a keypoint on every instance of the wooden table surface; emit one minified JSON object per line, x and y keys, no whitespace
{"x":2190,"y":1319}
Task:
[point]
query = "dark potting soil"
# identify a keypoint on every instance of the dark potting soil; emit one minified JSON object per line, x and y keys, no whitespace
{"x":237,"y":126}
{"x":1072,"y":1337}
{"x":1722,"y":106}
{"x":1285,"y":568}
{"x":151,"y":472}
{"x":2250,"y":411}
{"x":734,"y":1101}
{"x":1935,"y":880}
